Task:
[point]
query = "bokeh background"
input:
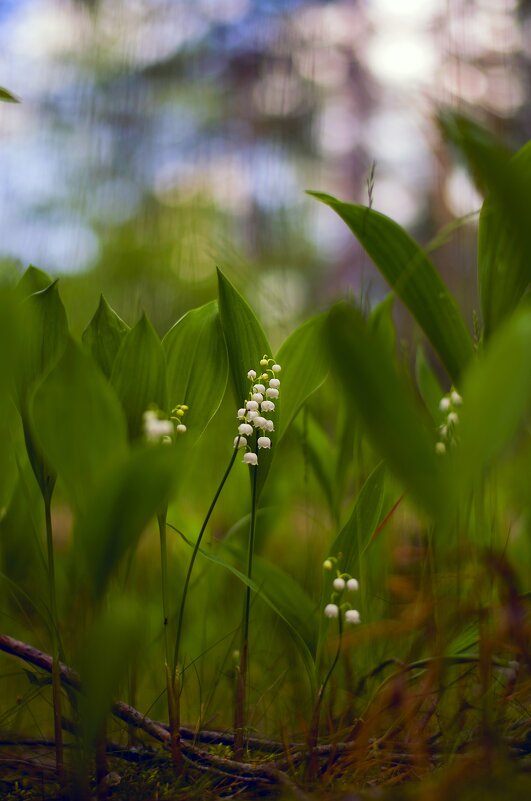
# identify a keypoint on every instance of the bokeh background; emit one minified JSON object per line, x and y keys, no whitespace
{"x":157,"y":138}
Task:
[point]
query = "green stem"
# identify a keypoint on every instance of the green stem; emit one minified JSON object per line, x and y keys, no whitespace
{"x":192,"y":560}
{"x":56,"y":675}
{"x":161,"y":519}
{"x":172,"y":688}
{"x":241,"y":677}
{"x":313,"y":737}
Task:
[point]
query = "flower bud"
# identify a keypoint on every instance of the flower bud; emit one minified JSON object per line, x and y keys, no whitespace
{"x":181,"y":428}
{"x":327,"y":564}
{"x":276,"y":368}
{"x":444,"y":404}
{"x":275,"y":383}
{"x":352,"y":585}
{"x":251,"y":374}
{"x":339,"y":584}
{"x":259,"y":388}
{"x":456,"y":398}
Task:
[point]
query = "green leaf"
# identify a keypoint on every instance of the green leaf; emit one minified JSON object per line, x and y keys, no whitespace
{"x":504,"y":269}
{"x":110,"y":645}
{"x":22,"y":560}
{"x":43,"y":320}
{"x":103,"y":336}
{"x":46,"y":334}
{"x":78,"y":423}
{"x":381,"y":321}
{"x":305,"y":365}
{"x":284,"y":596}
{"x":428,"y":383}
{"x":33,"y":280}
{"x":139,"y":374}
{"x":386,"y":403}
{"x":496,"y":396}
{"x":316,"y":450}
{"x":7,"y":97}
{"x":245,"y":337}
{"x":246,"y":345}
{"x":413,"y":278}
{"x":355,"y":535}
{"x":129,"y":495}
{"x":503,"y":241}
{"x":197,"y":366}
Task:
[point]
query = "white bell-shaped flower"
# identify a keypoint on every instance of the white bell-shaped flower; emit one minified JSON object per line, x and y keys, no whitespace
{"x":331,"y":610}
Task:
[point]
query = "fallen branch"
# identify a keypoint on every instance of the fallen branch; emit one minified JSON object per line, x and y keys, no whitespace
{"x":244,"y":771}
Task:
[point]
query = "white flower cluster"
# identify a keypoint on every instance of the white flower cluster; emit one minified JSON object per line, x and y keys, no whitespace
{"x":263,"y":392}
{"x":447,"y":430}
{"x":158,"y":429}
{"x":342,"y":582}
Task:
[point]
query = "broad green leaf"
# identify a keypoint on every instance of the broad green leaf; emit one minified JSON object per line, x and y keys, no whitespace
{"x":246,"y":345}
{"x":496,"y":397}
{"x":11,"y":439}
{"x":45,"y":329}
{"x":428,"y":384}
{"x":305,"y":365}
{"x":103,"y":336}
{"x":503,"y":258}
{"x":381,"y":321}
{"x":7,"y":97}
{"x":245,"y":337}
{"x":386,"y":403}
{"x":21,"y":555}
{"x":317,"y":449}
{"x":504,"y":268}
{"x":33,"y":280}
{"x":355,"y":535}
{"x":139,"y":374}
{"x":78,"y":423}
{"x":197,"y":366}
{"x":45,"y":332}
{"x":413,"y":278}
{"x":129,"y":495}
{"x":109,"y":647}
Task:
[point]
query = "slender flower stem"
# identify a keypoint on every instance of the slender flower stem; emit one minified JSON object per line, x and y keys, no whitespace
{"x":173,"y":672}
{"x":56,"y":676}
{"x":241,"y":678}
{"x":313,"y":736}
{"x":172,"y":688}
{"x":193,"y":557}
